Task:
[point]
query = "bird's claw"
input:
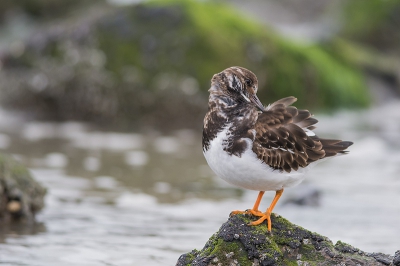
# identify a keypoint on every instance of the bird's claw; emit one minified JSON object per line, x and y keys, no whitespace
{"x":237,"y":212}
{"x":248,"y":211}
{"x":264,"y":216}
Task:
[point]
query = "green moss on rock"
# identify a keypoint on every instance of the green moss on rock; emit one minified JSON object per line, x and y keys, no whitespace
{"x":199,"y":39}
{"x":237,"y":243}
{"x":21,"y":197}
{"x":374,"y":22}
{"x":146,"y":63}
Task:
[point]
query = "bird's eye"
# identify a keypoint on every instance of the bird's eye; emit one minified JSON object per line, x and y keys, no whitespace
{"x":249,"y":82}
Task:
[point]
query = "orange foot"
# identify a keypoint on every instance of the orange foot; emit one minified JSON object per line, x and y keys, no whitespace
{"x":249,"y":211}
{"x":264,"y":216}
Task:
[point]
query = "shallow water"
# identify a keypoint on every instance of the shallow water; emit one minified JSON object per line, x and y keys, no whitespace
{"x":144,"y":199}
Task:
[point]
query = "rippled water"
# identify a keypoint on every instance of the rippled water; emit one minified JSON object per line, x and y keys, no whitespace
{"x":145,"y":198}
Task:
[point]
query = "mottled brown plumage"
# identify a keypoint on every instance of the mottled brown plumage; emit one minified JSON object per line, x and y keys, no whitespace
{"x":282,"y":142}
{"x":280,"y":138}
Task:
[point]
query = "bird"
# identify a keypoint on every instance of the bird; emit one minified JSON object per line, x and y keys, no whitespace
{"x":257,"y":147}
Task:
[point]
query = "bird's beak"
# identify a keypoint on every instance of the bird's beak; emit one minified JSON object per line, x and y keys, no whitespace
{"x":254,"y":99}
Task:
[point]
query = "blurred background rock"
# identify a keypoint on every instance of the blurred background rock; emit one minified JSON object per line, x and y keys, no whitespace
{"x":149,"y":64}
{"x":21,"y":197}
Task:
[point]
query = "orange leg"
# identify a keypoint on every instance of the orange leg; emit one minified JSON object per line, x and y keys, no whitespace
{"x":267,"y":214}
{"x":253,"y":211}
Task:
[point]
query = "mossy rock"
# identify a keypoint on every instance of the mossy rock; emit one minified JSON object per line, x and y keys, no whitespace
{"x":152,"y":63}
{"x":198,"y":39}
{"x":21,"y":197}
{"x":374,"y":22}
{"x":369,"y":39}
{"x":237,"y":243}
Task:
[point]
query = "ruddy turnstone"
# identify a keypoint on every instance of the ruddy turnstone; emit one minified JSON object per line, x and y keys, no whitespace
{"x":256,"y":147}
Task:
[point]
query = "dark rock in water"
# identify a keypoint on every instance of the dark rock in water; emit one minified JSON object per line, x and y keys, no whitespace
{"x":237,"y":243}
{"x":304,"y":195}
{"x":21,"y":197}
{"x":396,"y":260}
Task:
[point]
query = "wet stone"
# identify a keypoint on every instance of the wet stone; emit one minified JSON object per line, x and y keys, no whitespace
{"x":345,"y":248}
{"x":396,"y":260}
{"x":383,"y":258}
{"x":287,"y":244}
{"x":21,"y":197}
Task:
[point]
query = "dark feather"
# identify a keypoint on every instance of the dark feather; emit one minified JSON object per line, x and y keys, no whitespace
{"x":307,"y":122}
{"x":281,"y":140}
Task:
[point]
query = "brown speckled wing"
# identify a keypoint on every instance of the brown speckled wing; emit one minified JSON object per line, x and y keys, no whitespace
{"x":282,"y":142}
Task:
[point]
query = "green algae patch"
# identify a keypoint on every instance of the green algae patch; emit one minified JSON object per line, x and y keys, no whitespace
{"x":375,"y":22}
{"x":196,"y":39}
{"x":237,"y":243}
{"x":218,"y":252}
{"x":230,"y":252}
{"x":143,"y":64}
{"x":309,"y":254}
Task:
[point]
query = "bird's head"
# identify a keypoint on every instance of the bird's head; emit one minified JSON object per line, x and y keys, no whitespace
{"x":238,"y":84}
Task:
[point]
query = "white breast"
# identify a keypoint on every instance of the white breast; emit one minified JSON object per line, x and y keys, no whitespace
{"x":247,"y":171}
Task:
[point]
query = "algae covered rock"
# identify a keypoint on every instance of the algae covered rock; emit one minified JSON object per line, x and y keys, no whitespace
{"x":237,"y":243}
{"x":21,"y":197}
{"x":369,"y":39}
{"x":373,"y":22}
{"x":150,"y":62}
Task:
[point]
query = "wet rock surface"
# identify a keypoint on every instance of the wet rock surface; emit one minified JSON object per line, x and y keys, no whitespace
{"x":21,"y":197}
{"x":396,"y":260}
{"x":237,"y":243}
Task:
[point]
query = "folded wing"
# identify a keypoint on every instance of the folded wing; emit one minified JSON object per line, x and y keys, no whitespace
{"x":284,"y":139}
